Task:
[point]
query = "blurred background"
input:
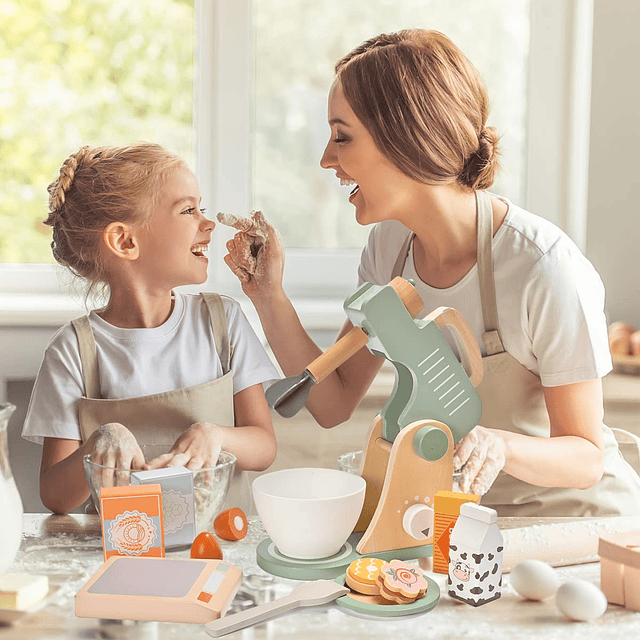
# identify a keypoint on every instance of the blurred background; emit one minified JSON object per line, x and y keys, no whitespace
{"x":238,"y":88}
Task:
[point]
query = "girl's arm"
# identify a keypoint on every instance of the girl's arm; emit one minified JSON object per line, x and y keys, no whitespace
{"x":571,"y":457}
{"x":252,"y":440}
{"x":63,"y":483}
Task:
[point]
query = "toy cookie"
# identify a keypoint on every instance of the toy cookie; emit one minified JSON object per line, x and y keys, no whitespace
{"x":401,"y":582}
{"x":362,"y":575}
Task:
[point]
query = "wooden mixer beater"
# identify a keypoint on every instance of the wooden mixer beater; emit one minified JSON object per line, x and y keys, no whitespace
{"x":409,"y":451}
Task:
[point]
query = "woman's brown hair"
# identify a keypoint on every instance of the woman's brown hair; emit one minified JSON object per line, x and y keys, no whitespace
{"x":98,"y":186}
{"x":425,"y":105}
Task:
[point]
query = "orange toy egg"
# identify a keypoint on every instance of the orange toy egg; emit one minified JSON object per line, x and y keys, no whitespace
{"x":231,"y":524}
{"x":206,"y":546}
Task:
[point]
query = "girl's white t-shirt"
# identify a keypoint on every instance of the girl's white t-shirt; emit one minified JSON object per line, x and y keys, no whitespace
{"x":178,"y":354}
{"x":550,"y":298}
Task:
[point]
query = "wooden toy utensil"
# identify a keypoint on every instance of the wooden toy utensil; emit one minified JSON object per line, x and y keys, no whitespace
{"x":288,"y":396}
{"x":308,"y":594}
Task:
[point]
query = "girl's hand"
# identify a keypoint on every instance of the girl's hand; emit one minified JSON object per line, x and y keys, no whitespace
{"x":113,"y":445}
{"x":197,"y":447}
{"x":480,"y":455}
{"x":256,"y":254}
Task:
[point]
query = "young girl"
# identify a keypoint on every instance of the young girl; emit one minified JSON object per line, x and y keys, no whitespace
{"x":154,"y":366}
{"x":408,"y":117}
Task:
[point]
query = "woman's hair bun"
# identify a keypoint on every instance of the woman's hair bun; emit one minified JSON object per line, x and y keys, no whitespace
{"x":481,"y":166}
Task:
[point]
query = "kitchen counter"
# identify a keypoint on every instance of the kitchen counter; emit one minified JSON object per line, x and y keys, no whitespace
{"x":69,"y":550}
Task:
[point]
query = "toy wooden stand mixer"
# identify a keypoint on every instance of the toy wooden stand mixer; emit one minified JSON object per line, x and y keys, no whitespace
{"x":409,"y":451}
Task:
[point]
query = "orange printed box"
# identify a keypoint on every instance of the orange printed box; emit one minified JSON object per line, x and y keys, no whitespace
{"x":132,"y":521}
{"x":446,"y":507}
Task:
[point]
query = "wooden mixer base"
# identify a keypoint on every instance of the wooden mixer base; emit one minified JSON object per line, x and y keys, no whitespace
{"x":402,"y":483}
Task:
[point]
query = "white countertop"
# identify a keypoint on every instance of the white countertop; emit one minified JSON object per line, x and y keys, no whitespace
{"x":68,"y":549}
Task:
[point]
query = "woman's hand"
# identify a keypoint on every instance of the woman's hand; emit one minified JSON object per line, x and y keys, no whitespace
{"x":256,"y":254}
{"x":480,"y":455}
{"x":197,"y":447}
{"x":113,"y":445}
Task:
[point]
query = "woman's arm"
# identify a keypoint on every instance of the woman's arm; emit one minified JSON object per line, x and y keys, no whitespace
{"x":573,"y":455}
{"x":332,"y":401}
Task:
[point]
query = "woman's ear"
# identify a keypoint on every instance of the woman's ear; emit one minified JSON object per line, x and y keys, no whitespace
{"x":120,"y":239}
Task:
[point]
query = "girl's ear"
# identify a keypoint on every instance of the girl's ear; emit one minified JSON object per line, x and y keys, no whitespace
{"x":120,"y":239}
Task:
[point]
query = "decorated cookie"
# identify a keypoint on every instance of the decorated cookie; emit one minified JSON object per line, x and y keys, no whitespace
{"x":362,"y":575}
{"x":401,"y":582}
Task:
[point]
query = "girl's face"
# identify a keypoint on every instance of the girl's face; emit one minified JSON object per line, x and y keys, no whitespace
{"x":176,"y":238}
{"x":380,"y":190}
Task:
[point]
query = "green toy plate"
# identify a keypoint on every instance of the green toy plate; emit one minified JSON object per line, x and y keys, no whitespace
{"x":272,"y":561}
{"x":370,"y":605}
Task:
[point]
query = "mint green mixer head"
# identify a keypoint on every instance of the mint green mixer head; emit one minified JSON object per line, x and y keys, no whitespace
{"x":430,"y":381}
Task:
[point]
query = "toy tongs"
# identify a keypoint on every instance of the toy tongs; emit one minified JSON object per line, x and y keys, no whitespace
{"x":434,"y":404}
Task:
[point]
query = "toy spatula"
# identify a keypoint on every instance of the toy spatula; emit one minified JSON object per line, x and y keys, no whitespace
{"x":308,"y":594}
{"x":288,"y":396}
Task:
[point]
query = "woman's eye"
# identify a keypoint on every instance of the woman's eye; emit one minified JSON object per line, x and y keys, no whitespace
{"x":340,"y":140}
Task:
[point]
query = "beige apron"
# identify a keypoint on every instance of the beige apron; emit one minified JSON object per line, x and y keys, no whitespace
{"x":157,"y":420}
{"x":512,"y":400}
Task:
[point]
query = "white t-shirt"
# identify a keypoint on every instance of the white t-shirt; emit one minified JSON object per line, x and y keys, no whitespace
{"x":550,"y":298}
{"x":178,"y":354}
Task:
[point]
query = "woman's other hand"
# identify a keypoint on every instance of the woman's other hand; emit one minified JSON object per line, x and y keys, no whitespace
{"x":480,"y":455}
{"x":256,"y":254}
{"x":197,"y":447}
{"x":113,"y":445}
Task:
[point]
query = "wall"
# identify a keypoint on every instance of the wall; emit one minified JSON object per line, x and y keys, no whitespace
{"x":613,"y":229}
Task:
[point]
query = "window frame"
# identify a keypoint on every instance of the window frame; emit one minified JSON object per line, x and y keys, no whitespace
{"x":557,"y":163}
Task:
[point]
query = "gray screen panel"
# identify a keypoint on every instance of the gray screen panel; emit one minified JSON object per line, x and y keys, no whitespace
{"x":157,"y":577}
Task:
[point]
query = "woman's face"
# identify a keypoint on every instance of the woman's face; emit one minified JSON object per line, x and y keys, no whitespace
{"x":380,"y":190}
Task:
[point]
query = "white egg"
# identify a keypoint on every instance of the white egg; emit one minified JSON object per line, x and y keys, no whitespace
{"x":534,"y":580}
{"x":581,"y":600}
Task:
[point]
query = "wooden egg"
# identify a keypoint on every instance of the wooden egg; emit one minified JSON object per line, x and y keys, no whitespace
{"x":231,"y":524}
{"x":205,"y":546}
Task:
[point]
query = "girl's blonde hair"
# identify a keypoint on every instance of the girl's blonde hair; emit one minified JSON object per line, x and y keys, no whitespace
{"x":425,"y":105}
{"x":98,"y":186}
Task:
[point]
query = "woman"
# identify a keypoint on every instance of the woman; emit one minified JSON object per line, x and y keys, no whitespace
{"x":408,"y":118}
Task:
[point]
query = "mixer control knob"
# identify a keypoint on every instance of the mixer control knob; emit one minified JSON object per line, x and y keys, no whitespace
{"x":418,"y":521}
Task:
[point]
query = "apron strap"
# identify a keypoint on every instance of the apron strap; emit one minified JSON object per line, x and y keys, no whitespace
{"x":398,"y":267}
{"x":88,"y":356}
{"x":220,"y":328}
{"x":491,"y":336}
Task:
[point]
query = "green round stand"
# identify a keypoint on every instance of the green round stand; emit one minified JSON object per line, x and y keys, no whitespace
{"x":422,"y":605}
{"x":272,"y":561}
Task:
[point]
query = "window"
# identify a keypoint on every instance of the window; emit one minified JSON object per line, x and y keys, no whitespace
{"x":239,"y":88}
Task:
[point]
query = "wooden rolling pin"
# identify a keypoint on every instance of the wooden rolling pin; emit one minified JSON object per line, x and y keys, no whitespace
{"x":558,"y":541}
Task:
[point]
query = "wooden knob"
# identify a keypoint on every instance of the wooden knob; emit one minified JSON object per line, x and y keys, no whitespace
{"x":409,"y":296}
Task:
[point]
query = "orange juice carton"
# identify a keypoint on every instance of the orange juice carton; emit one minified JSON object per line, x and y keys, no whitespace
{"x":475,"y":556}
{"x":132,"y":521}
{"x":446,"y":507}
{"x":177,"y":502}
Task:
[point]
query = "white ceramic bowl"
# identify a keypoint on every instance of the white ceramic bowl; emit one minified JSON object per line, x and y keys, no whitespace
{"x":309,"y":513}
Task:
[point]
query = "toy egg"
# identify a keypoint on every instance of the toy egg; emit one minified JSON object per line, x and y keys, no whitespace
{"x":581,"y":600}
{"x":534,"y":580}
{"x":206,"y":546}
{"x":231,"y":524}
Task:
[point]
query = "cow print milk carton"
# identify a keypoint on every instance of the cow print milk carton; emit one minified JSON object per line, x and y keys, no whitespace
{"x":475,"y":556}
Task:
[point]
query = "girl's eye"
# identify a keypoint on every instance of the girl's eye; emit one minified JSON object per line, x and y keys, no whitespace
{"x":189,"y":211}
